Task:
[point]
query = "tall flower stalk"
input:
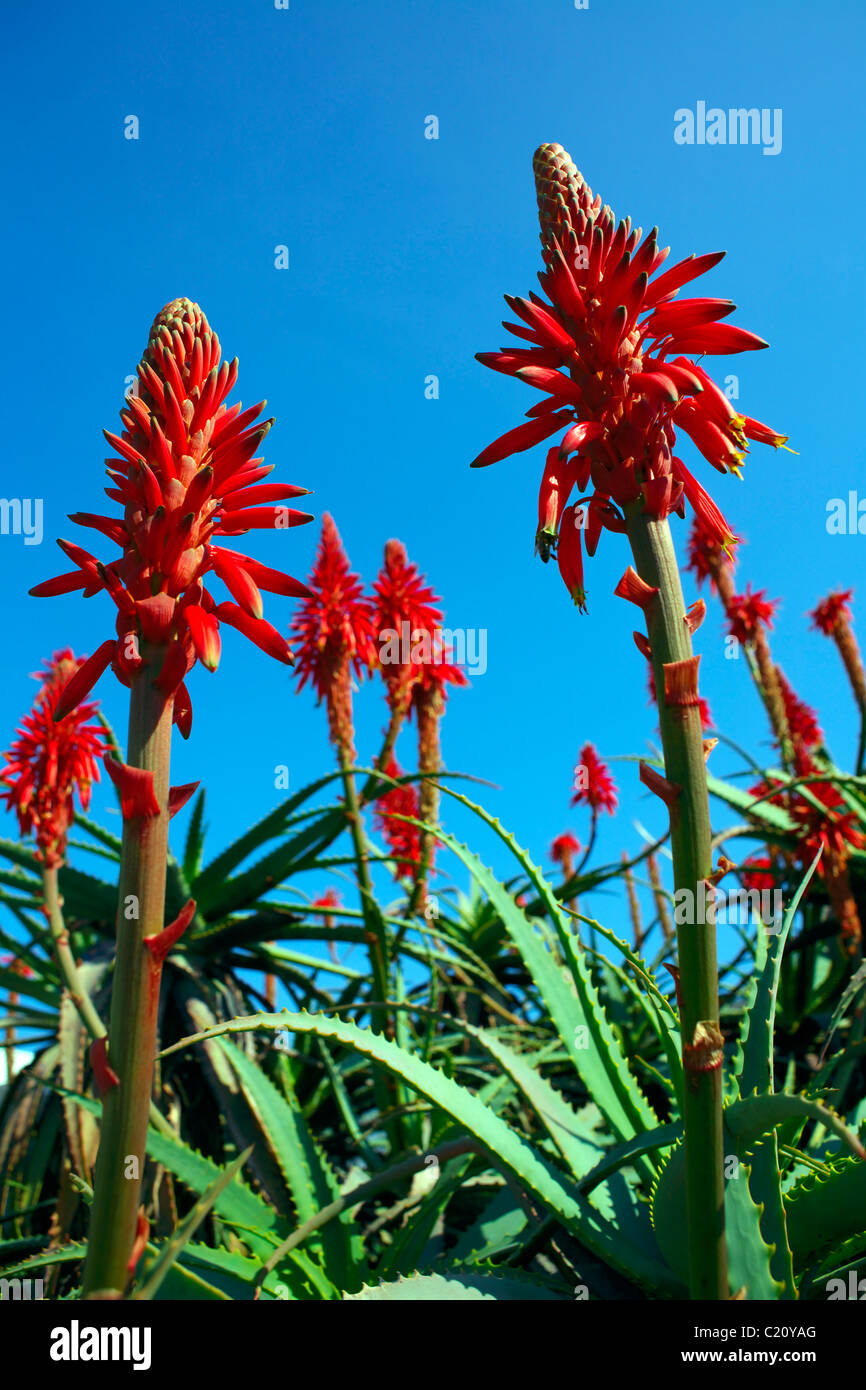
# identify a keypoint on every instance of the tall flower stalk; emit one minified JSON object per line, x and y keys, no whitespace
{"x":833,"y":618}
{"x":334,"y":628}
{"x":183,"y":475}
{"x":612,"y":350}
{"x":417,"y":668}
{"x":50,"y":764}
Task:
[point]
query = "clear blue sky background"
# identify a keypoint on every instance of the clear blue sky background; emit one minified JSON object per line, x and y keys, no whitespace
{"x":305,"y":127}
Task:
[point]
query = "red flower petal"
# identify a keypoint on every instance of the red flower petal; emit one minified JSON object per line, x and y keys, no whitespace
{"x":205,"y":633}
{"x":258,"y":631}
{"x":84,"y":679}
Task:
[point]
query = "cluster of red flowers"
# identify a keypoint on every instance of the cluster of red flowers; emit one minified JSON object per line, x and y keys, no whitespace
{"x":611,"y":351}
{"x":343,"y":634}
{"x":822,"y":818}
{"x":593,"y":784}
{"x":832,"y":611}
{"x":184,"y":474}
{"x":334,"y":630}
{"x":402,"y":836}
{"x":563,"y":851}
{"x":51,"y":761}
{"x":412,"y":656}
{"x":747,"y":611}
{"x":706,"y":555}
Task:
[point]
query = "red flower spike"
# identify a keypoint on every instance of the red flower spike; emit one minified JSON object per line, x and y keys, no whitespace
{"x":160,"y":945}
{"x":103,"y":1075}
{"x":755,"y":875}
{"x":334,"y":628}
{"x":135,"y":784}
{"x":179,"y":796}
{"x":748,"y":612}
{"x":606,"y":337}
{"x":563,"y":846}
{"x":407,"y":621}
{"x":633,"y":588}
{"x":594,"y":786}
{"x":53,"y":760}
{"x":832,"y":611}
{"x":802,"y":720}
{"x":181,"y":454}
{"x":402,"y":836}
{"x":706,"y":555}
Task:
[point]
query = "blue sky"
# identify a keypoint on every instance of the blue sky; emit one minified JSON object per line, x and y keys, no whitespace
{"x":305,"y":127}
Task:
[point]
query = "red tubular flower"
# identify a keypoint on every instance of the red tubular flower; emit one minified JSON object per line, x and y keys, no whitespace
{"x":408,"y":627}
{"x":334,"y":628}
{"x":184,"y":474}
{"x":325,"y":903}
{"x":832,"y":611}
{"x":563,"y":851}
{"x":748,"y":611}
{"x":756,"y":874}
{"x":833,"y":827}
{"x":51,"y":761}
{"x":403,"y":837}
{"x":593,"y":784}
{"x":607,"y":346}
{"x":570,"y":552}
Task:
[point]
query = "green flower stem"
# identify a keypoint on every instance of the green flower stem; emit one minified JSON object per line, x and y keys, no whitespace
{"x":72,"y":980}
{"x":378,"y":946}
{"x":682,"y":742}
{"x":389,"y":1096}
{"x":134,"y":1003}
{"x":64,"y":957}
